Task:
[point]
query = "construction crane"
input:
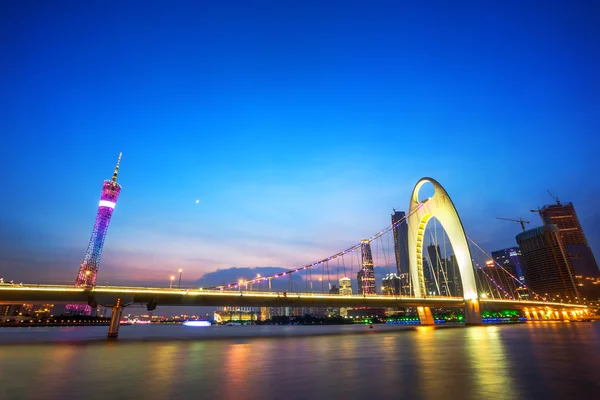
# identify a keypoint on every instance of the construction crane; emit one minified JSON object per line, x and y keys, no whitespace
{"x":554,"y":197}
{"x":539,"y":210}
{"x":520,"y":220}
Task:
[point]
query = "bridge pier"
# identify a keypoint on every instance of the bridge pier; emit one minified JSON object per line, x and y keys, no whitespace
{"x":425,"y":316}
{"x":472,"y":312}
{"x":115,"y":320}
{"x":544,"y":314}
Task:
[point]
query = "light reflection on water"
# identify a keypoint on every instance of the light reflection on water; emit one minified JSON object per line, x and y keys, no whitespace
{"x":489,"y":365}
{"x":538,"y":360}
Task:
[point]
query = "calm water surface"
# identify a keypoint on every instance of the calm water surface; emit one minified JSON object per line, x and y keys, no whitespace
{"x":527,"y":361}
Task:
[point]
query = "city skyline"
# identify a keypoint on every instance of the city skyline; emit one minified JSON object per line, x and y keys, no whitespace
{"x":292,"y":156}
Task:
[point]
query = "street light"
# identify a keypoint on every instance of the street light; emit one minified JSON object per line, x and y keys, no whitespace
{"x":87,"y":273}
{"x":171,"y":283}
{"x":180,"y":271}
{"x":321,"y":280}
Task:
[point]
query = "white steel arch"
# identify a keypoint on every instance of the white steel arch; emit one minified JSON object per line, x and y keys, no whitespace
{"x":440,"y":206}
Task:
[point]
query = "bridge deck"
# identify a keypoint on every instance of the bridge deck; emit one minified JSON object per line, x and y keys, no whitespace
{"x":11,"y":294}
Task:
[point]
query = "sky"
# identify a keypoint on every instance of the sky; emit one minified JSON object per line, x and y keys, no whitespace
{"x":298,"y":125}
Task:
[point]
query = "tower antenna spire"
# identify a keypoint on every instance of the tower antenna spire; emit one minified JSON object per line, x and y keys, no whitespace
{"x":114,"y":178}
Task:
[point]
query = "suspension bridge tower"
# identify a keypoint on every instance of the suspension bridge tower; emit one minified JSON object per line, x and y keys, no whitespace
{"x":88,"y":269}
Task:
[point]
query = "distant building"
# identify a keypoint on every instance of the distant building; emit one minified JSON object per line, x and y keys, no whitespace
{"x":405,"y":285}
{"x":390,"y":285}
{"x":359,"y":280}
{"x":366,"y":276}
{"x":317,"y":312}
{"x":9,"y":310}
{"x":235,"y":316}
{"x":344,"y":290}
{"x":266,"y":313}
{"x":511,"y":260}
{"x":241,"y":313}
{"x":42,"y":310}
{"x":588,"y":287}
{"x":573,"y":238}
{"x":430,"y":286}
{"x":364,"y":312}
{"x":401,"y":246}
{"x":345,"y":286}
{"x":453,"y":276}
{"x":548,"y":270}
{"x":333,"y":312}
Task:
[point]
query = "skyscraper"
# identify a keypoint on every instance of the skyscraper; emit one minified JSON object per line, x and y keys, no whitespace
{"x":88,"y":269}
{"x":366,"y":276}
{"x":547,"y":268}
{"x":400,"y":241}
{"x":359,"y":280}
{"x":572,"y":236}
{"x":511,"y":260}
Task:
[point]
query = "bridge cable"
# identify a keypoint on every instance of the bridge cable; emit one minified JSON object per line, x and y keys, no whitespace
{"x":339,"y":254}
{"x":482,"y":281}
{"x":385,"y":259}
{"x":310,"y":277}
{"x":443,"y":263}
{"x":521,"y":284}
{"x":328,"y":278}
{"x":433,"y":271}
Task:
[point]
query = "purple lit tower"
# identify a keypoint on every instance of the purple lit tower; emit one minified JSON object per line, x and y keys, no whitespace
{"x":91,"y":262}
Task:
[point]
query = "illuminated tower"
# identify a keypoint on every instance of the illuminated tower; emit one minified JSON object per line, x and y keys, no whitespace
{"x":108,"y":199}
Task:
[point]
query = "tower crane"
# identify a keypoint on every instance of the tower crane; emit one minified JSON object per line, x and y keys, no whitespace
{"x":539,"y":210}
{"x":554,"y":197}
{"x":520,"y":220}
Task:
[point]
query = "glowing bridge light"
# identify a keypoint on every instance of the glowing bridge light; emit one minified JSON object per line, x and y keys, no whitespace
{"x":106,"y":203}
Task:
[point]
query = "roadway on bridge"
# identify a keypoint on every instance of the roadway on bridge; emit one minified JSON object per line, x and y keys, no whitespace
{"x":107,"y":295}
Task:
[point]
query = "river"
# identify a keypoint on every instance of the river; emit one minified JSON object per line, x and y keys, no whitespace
{"x":523,"y":361}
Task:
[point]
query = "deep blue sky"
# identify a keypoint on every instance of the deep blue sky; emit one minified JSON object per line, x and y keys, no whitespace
{"x":297,"y":124}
